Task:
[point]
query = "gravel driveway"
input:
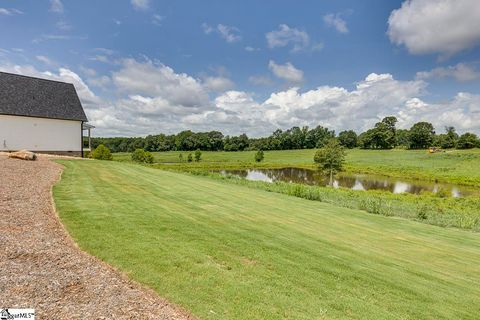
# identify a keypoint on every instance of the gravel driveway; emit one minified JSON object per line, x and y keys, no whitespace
{"x":42,"y":268}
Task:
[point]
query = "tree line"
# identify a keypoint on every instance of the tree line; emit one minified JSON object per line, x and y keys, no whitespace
{"x":384,"y":135}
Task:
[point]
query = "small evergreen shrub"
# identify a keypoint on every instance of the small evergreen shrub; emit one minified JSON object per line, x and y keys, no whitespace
{"x":101,"y":153}
{"x":259,"y":156}
{"x":198,"y":155}
{"x":189,"y":158}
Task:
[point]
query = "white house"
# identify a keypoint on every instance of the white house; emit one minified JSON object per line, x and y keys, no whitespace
{"x":40,"y":115}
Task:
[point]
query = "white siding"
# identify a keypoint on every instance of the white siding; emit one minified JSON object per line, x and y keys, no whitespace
{"x":39,"y":134}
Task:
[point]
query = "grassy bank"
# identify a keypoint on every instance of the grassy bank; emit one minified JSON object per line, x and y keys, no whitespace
{"x":428,"y":208}
{"x":225,"y":251}
{"x":453,"y":166}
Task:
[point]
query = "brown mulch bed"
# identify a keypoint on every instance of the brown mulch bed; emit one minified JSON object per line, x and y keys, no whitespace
{"x":42,"y":268}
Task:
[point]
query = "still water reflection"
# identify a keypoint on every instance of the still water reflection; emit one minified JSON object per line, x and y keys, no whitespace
{"x":354,"y":182}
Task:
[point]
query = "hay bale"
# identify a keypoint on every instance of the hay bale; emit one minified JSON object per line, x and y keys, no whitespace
{"x":24,"y":155}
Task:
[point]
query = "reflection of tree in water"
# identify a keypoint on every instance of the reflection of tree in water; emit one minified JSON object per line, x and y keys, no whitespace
{"x":239,"y":173}
{"x":294,"y":175}
{"x":356,"y":182}
{"x":417,"y":189}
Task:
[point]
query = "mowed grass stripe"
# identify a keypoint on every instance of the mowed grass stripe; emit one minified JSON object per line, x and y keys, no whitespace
{"x":227,"y":251}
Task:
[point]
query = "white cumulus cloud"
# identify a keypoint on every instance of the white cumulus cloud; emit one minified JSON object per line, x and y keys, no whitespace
{"x":436,"y":26}
{"x":151,"y":79}
{"x":286,"y":72}
{"x":298,"y":40}
{"x":217,"y":84}
{"x":460,"y":72}
{"x":462,"y":112}
{"x":99,"y":82}
{"x":148,"y":97}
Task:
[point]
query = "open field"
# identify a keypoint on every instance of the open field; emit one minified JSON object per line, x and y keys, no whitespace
{"x":454,"y":166}
{"x":226,"y":251}
{"x":236,"y":158}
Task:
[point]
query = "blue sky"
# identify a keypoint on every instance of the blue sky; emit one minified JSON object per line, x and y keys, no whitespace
{"x":143,"y":67}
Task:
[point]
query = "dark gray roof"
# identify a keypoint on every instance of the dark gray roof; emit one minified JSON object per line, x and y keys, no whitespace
{"x":34,"y":97}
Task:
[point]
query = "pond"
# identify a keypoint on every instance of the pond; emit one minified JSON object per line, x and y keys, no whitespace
{"x":351,"y":181}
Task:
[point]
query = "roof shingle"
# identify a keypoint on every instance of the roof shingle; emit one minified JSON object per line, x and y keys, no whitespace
{"x":34,"y":97}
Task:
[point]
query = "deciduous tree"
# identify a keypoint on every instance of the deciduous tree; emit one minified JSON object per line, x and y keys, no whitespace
{"x":348,"y":139}
{"x":421,"y":135}
{"x":467,"y":141}
{"x":330,"y":158}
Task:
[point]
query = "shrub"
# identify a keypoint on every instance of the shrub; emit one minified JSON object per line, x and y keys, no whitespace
{"x":189,"y":158}
{"x":138,"y":155}
{"x":142,"y":156}
{"x":148,"y":157}
{"x":259,"y":156}
{"x":180,"y":157}
{"x":198,"y":155}
{"x":101,"y":153}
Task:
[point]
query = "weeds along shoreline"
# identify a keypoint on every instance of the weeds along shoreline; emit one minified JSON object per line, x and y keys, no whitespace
{"x":462,"y":213}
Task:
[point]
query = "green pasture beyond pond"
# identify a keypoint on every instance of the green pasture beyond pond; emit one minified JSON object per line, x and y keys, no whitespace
{"x":455,"y":166}
{"x":226,"y":251}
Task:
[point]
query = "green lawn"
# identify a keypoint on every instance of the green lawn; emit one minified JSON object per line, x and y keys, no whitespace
{"x":225,"y":251}
{"x":455,"y":166}
{"x":292,"y":157}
